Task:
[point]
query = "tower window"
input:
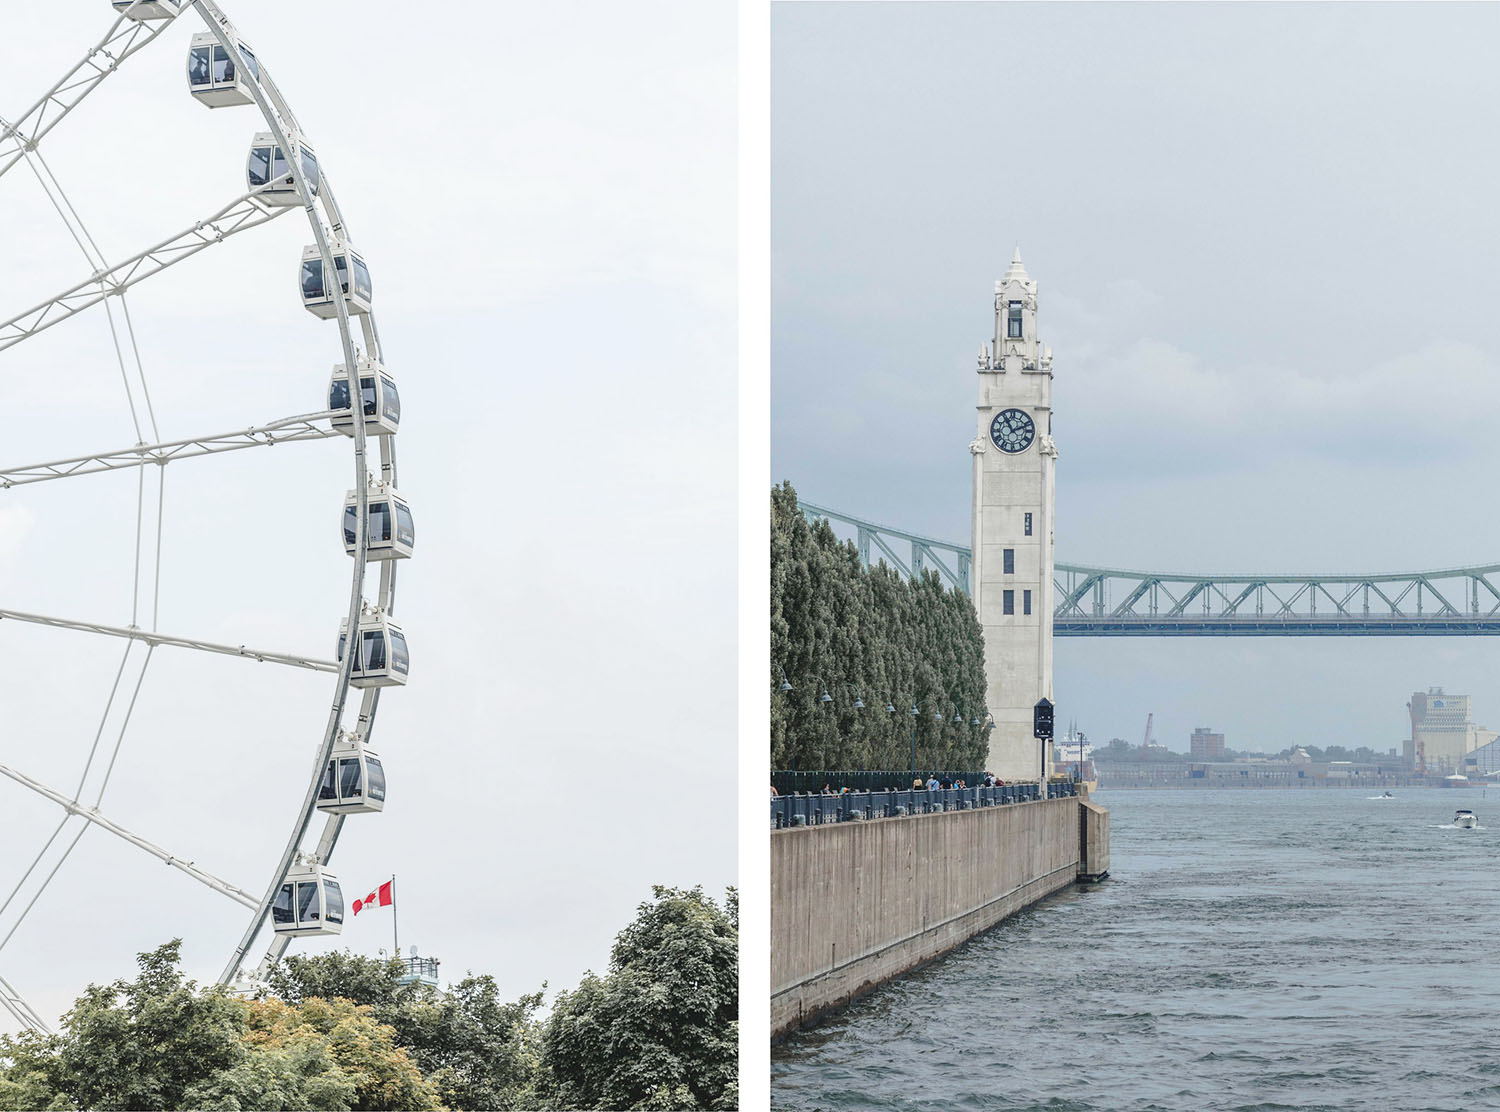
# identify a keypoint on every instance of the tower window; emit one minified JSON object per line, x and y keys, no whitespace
{"x":1028,"y":525}
{"x":1013,"y":321}
{"x":1010,"y":561}
{"x":1010,"y":602}
{"x":1026,"y":602}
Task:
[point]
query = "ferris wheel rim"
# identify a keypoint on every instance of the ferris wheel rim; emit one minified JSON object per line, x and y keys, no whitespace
{"x":278,"y":116}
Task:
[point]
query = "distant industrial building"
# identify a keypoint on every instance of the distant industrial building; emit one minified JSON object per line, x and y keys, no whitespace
{"x":1442,"y":734}
{"x":1484,"y":761}
{"x":1207,"y":745}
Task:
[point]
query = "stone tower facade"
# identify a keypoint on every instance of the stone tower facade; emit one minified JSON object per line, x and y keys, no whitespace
{"x":1014,"y":491}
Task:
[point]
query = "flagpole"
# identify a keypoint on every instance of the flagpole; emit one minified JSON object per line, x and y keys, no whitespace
{"x":395,"y":933}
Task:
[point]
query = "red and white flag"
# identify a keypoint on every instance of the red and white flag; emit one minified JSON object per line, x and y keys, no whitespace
{"x":381,"y":897}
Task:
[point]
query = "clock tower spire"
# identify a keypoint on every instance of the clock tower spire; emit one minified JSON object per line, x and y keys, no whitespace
{"x":1010,"y":575}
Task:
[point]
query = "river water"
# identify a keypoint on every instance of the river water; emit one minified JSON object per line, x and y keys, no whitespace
{"x":1277,"y":949}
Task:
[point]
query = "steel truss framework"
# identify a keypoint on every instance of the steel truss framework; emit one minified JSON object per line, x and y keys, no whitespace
{"x":1108,"y":602}
{"x":244,"y":212}
{"x":107,"y":284}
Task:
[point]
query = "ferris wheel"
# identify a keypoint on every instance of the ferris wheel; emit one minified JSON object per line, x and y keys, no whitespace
{"x":301,"y":895}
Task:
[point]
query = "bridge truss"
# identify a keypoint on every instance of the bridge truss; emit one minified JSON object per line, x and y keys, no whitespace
{"x":1109,"y":602}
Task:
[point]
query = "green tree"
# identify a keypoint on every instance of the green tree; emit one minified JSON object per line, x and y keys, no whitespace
{"x":477,"y":1050}
{"x":299,"y":1077}
{"x":340,"y":974}
{"x":161,"y":1042}
{"x":660,"y":1029}
{"x":143,"y":1044}
{"x":31,"y":1073}
{"x":345,"y":1053}
{"x":873,"y":635}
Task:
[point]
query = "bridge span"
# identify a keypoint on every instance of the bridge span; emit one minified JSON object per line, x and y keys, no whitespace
{"x":1110,"y":602}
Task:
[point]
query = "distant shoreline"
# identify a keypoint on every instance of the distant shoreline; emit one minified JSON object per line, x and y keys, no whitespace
{"x":1297,"y":785}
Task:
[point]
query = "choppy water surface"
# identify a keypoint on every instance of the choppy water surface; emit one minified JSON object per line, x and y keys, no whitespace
{"x":1251,"y":950}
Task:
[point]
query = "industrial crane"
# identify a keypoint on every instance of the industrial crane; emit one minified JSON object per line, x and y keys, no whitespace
{"x":1146,"y":741}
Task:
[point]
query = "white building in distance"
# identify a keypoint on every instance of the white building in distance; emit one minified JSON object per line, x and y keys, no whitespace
{"x":1441,"y":730}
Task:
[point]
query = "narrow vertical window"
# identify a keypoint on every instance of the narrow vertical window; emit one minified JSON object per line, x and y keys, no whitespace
{"x":1010,"y":602}
{"x":1026,"y":602}
{"x":1028,"y":525}
{"x":1010,"y":561}
{"x":198,"y":66}
{"x":1013,"y":321}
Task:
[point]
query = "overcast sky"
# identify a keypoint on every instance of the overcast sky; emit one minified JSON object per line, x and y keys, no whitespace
{"x":546,"y":196}
{"x":1265,"y":240}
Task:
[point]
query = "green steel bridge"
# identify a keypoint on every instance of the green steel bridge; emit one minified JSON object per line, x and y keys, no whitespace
{"x":1110,"y":602}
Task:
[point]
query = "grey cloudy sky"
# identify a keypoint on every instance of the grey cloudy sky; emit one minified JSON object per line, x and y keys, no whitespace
{"x":1265,"y":238}
{"x":545,"y":194}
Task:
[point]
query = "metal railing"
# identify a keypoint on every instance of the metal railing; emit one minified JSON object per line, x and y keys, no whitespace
{"x":791,"y":782}
{"x":419,"y":970}
{"x":816,"y":810}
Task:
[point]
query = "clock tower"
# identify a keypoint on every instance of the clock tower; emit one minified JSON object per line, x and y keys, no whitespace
{"x":1010,"y":576}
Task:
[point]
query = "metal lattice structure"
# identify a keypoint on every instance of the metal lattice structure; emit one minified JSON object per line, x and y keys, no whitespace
{"x":1109,"y":602}
{"x":136,"y":25}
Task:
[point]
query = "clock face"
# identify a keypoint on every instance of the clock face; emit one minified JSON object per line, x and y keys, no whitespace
{"x":1012,"y":430}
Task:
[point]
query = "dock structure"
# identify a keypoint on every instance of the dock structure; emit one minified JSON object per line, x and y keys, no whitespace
{"x":855,"y":904}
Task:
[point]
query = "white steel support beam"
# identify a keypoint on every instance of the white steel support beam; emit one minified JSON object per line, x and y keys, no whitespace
{"x":309,"y":426}
{"x":92,"y":815}
{"x":25,"y":1014}
{"x":124,"y":38}
{"x":293,"y":660}
{"x":246,"y":211}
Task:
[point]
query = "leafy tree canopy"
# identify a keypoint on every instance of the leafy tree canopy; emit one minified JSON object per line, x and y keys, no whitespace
{"x":477,"y":1050}
{"x":873,"y":635}
{"x":339,"y":1031}
{"x":660,"y":1030}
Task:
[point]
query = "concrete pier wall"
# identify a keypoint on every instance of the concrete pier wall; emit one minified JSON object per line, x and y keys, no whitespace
{"x":1093,"y":831}
{"x":854,"y":904}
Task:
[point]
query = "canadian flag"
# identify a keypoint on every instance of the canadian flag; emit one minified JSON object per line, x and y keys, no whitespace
{"x":381,"y":897}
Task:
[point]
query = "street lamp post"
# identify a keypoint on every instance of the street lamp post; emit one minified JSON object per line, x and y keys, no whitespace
{"x":914,"y":744}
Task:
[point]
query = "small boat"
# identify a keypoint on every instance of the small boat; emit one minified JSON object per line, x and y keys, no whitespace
{"x":1465,"y":820}
{"x":1387,"y":795}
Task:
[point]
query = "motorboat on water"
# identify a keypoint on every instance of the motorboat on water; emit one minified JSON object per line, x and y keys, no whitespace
{"x":1465,"y":820}
{"x":1387,"y":795}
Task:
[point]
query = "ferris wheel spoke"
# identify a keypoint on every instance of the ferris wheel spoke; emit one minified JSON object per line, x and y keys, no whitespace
{"x":96,"y":261}
{"x":308,"y":426}
{"x":152,"y":638}
{"x":92,"y":815}
{"x":245,"y":212}
{"x":125,"y":37}
{"x":16,"y":1005}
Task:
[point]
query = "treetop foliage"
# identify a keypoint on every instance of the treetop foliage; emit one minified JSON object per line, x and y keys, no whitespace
{"x":872,"y":633}
{"x":339,"y":1031}
{"x":661,"y":1029}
